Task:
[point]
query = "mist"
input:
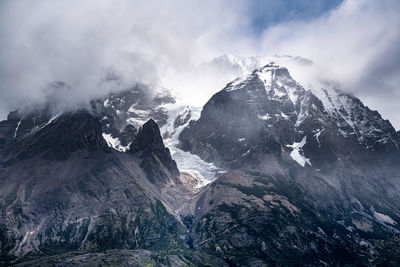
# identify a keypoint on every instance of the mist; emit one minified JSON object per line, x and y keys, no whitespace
{"x":81,"y":43}
{"x":170,"y":44}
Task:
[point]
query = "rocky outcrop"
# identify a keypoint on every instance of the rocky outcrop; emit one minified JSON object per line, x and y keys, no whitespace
{"x":156,"y":158}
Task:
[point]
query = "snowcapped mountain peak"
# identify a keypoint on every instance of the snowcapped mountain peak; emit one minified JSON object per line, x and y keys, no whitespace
{"x":269,"y":102}
{"x":276,"y":80}
{"x":268,"y":72}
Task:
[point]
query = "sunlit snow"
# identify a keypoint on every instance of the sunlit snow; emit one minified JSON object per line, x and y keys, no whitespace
{"x":115,"y":143}
{"x":383,"y":218}
{"x":202,"y":171}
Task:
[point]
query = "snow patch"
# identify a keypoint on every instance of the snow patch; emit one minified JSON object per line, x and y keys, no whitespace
{"x":16,"y":129}
{"x":106,"y":103}
{"x":336,"y":104}
{"x":52,"y":119}
{"x":283,"y":115}
{"x":297,"y":152}
{"x":246,"y":153}
{"x":137,"y":122}
{"x":115,"y":143}
{"x":290,"y":86}
{"x":266,"y":76}
{"x":302,"y":114}
{"x":264,"y":117}
{"x":317,"y":135}
{"x":383,"y":218}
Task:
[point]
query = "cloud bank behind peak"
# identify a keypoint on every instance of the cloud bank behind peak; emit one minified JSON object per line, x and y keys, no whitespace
{"x":355,"y":43}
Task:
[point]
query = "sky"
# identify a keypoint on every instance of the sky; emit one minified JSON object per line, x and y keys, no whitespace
{"x":354,"y":44}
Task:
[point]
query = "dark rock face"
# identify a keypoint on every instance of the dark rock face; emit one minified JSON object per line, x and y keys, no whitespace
{"x":18,"y":125}
{"x":7,"y":130}
{"x":127,"y":135}
{"x":156,"y":158}
{"x":53,"y":137}
{"x":250,"y":218}
{"x":148,"y":138}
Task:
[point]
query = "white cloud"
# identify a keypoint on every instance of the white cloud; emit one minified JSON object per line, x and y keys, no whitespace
{"x":357,"y":45}
{"x":78,"y":41}
{"x":74,"y":41}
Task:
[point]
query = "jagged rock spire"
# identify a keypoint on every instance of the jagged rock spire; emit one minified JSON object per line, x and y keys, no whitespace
{"x":157,"y":162}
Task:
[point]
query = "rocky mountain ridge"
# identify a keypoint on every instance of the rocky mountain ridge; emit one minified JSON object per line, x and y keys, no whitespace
{"x":276,"y":174}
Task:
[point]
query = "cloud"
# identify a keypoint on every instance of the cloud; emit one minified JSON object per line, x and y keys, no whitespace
{"x":80,"y":42}
{"x":356,"y":44}
{"x":164,"y":43}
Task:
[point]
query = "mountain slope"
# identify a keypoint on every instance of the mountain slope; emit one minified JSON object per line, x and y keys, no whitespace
{"x":65,"y":190}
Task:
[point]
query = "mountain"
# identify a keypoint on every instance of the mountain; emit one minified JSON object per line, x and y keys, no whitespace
{"x":270,"y":107}
{"x":266,"y":173}
{"x":64,"y":190}
{"x":312,"y":173}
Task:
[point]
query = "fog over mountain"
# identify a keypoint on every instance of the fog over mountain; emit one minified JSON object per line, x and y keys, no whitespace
{"x":354,"y":43}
